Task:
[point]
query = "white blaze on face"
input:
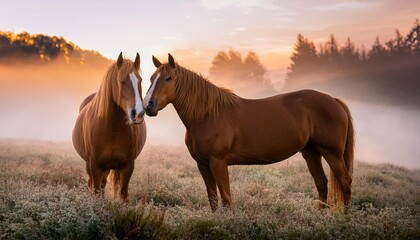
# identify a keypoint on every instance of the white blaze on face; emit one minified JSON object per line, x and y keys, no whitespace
{"x":150,"y":92}
{"x":135,"y":82}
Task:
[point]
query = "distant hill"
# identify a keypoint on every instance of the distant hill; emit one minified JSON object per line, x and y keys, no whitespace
{"x":35,"y":49}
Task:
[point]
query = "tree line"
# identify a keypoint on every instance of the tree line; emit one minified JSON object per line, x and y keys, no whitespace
{"x":245,"y":75}
{"x":390,"y":70}
{"x":41,"y":49}
{"x":402,"y":52}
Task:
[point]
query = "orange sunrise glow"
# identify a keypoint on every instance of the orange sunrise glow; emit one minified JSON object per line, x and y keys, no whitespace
{"x":194,"y":32}
{"x":210,"y":119}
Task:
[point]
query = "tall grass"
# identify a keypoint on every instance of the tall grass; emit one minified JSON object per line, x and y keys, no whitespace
{"x":44,"y":195}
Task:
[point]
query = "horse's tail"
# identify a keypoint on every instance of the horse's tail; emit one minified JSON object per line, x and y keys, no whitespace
{"x":114,"y":179}
{"x":349,"y":148}
{"x":336,"y":195}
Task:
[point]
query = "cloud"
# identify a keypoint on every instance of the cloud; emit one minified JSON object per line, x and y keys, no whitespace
{"x":246,"y":4}
{"x":344,"y":6}
{"x":172,"y":38}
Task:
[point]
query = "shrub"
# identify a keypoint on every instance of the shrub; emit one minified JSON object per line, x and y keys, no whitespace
{"x":137,"y":222}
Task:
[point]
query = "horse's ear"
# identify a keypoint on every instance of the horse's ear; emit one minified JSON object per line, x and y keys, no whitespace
{"x":137,"y":62}
{"x":120,"y":60}
{"x":171,"y":61}
{"x":156,"y":62}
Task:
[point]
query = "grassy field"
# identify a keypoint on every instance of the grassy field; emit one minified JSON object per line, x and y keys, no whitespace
{"x":44,"y":195}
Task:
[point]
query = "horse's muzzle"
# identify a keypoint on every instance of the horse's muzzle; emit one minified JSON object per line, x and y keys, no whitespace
{"x":151,"y":113}
{"x":136,"y":118}
{"x":151,"y":108}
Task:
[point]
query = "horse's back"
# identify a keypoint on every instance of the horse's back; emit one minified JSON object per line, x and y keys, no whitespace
{"x":303,"y":104}
{"x":277,"y":127}
{"x":79,"y":136}
{"x":87,"y":100}
{"x":327,"y":119}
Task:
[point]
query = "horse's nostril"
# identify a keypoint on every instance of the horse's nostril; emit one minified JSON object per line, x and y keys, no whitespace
{"x":151,"y":104}
{"x":133,"y":113}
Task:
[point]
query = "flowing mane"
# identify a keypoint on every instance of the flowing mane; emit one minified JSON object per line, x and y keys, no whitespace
{"x":198,"y":98}
{"x":103,"y":98}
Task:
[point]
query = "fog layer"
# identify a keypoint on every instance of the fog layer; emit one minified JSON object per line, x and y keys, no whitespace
{"x":42,"y":102}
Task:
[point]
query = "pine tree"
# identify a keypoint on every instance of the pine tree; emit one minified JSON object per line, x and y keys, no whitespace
{"x":331,"y":50}
{"x":229,"y":69}
{"x":413,"y":39}
{"x":350,"y":56}
{"x":398,"y":48}
{"x":378,"y":53}
{"x":304,"y":58}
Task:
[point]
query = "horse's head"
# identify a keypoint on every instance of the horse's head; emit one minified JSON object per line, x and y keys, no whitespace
{"x":128,"y":94}
{"x":162,"y":88}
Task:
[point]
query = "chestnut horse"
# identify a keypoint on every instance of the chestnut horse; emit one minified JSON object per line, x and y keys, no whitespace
{"x":224,"y":129}
{"x":110,"y":133}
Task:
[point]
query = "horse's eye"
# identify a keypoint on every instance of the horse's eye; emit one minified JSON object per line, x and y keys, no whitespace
{"x":122,"y":82}
{"x":169,"y":78}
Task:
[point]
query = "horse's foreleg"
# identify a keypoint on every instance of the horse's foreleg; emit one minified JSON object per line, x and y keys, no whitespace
{"x":89,"y":172}
{"x":97,"y":177}
{"x":210,"y":185}
{"x":125,"y":175}
{"x":313,"y":160}
{"x":219,"y":170}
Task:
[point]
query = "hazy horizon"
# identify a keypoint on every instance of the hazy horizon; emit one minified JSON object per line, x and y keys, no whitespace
{"x":42,"y":102}
{"x":195,"y":30}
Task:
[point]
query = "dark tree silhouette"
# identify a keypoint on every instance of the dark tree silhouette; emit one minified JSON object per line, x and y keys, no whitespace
{"x":304,"y":54}
{"x":43,"y":49}
{"x":413,"y":39}
{"x":332,"y":54}
{"x":245,"y":76}
{"x":391,"y":71}
{"x":349,"y":54}
{"x":398,"y":47}
{"x":377,"y":53}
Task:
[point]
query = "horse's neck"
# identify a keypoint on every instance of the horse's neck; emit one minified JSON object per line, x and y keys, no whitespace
{"x":114,"y":112}
{"x":186,"y":120}
{"x":188,"y":103}
{"x":200,"y":104}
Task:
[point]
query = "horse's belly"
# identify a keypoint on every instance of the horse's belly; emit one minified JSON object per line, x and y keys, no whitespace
{"x":115,"y":159}
{"x":267,"y":158}
{"x":266,"y":150}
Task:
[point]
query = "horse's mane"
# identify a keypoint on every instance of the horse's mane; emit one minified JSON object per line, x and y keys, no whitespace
{"x":197,"y":98}
{"x":104,"y":98}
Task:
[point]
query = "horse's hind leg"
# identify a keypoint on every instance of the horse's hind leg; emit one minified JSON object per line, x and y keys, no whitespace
{"x":219,"y":170}
{"x":115,"y":182}
{"x":104,"y":179}
{"x":313,"y":160}
{"x":337,"y":165}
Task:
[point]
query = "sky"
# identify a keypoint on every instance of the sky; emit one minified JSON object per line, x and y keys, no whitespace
{"x":195,"y":30}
